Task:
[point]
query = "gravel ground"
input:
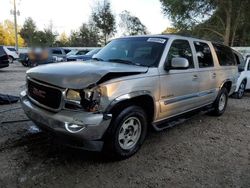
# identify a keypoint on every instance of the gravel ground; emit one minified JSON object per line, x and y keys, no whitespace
{"x":203,"y":151}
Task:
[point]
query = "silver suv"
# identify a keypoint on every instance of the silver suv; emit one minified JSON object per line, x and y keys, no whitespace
{"x":131,"y":84}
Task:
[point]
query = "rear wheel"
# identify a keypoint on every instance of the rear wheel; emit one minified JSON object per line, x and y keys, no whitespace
{"x":126,"y":133}
{"x":11,"y":59}
{"x":241,"y":91}
{"x":220,"y":103}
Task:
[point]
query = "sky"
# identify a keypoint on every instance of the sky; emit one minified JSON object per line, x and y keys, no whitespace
{"x":67,"y":15}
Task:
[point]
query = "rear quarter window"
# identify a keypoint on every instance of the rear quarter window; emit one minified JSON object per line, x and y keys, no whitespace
{"x":225,"y":55}
{"x":2,"y":52}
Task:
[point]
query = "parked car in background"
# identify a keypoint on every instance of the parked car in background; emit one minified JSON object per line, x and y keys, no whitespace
{"x":11,"y":52}
{"x":243,"y":82}
{"x":85,"y":57}
{"x":76,"y":52}
{"x":24,"y":57}
{"x":132,"y":84}
{"x":4,"y":59}
{"x":40,"y":56}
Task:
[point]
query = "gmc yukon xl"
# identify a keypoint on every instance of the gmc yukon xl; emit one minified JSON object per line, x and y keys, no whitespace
{"x":109,"y":102}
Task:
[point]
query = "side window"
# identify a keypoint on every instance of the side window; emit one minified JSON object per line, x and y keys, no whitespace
{"x":57,"y":52}
{"x":180,"y":48}
{"x":225,"y":55}
{"x":204,"y":55}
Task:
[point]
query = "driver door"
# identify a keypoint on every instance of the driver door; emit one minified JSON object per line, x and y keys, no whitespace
{"x":178,"y":88}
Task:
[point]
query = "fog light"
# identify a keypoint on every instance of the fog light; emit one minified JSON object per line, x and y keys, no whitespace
{"x":74,"y":128}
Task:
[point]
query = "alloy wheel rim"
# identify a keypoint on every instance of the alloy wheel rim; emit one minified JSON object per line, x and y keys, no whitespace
{"x":129,"y":133}
{"x":222,"y":102}
{"x":241,"y":89}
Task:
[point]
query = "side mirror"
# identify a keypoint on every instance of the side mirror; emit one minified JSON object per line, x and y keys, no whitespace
{"x":178,"y":63}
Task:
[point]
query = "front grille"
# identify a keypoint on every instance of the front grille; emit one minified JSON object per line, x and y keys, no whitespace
{"x":44,"y":95}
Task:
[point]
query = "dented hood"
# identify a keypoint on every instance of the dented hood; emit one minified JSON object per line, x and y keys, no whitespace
{"x":79,"y":75}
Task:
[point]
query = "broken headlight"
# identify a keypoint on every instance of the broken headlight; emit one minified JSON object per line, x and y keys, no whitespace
{"x":88,"y":99}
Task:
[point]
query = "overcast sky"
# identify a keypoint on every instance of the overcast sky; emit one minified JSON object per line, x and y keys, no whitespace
{"x":67,"y":15}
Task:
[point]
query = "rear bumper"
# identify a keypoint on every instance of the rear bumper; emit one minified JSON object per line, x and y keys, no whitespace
{"x":89,"y":137}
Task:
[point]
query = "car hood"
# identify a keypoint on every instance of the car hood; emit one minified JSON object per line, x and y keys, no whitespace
{"x":79,"y":75}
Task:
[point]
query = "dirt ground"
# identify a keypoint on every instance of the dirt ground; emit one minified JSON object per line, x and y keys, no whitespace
{"x":204,"y":151}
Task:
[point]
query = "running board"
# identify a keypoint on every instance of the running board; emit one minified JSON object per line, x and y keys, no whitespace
{"x":177,"y":120}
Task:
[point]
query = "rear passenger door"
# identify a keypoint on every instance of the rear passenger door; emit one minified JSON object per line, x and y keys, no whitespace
{"x":207,"y":73}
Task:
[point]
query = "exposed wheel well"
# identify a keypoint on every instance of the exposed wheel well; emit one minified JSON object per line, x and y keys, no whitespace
{"x":146,"y":102}
{"x":228,"y":86}
{"x":244,"y":80}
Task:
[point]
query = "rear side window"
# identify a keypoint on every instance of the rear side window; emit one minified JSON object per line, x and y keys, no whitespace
{"x":12,"y":49}
{"x":180,"y":48}
{"x":2,"y":52}
{"x":57,"y":52}
{"x":225,"y":55}
{"x":204,"y":55}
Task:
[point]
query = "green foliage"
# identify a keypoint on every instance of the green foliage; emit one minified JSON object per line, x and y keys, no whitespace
{"x":221,"y":20}
{"x":104,"y":20}
{"x":131,"y":24}
{"x":28,"y":31}
{"x":86,"y":36}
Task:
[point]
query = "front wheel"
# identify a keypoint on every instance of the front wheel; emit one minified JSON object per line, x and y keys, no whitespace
{"x":126,"y":133}
{"x":220,"y":103}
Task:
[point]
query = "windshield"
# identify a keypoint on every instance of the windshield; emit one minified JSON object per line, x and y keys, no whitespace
{"x":143,"y":51}
{"x":93,"y":52}
{"x":72,"y":52}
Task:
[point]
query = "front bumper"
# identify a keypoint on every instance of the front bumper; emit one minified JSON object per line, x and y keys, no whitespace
{"x":89,"y":138}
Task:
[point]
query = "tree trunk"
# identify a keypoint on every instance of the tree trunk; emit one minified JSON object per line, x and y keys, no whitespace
{"x":228,"y":24}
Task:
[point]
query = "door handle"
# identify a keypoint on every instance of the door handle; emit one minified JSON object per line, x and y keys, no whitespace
{"x":214,"y":75}
{"x":195,"y":77}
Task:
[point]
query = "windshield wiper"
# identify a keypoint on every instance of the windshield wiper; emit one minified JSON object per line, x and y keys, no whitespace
{"x":122,"y":61}
{"x":97,"y":59}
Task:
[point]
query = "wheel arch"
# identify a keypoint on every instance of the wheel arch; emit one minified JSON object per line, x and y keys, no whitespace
{"x":143,"y":99}
{"x":227,"y":84}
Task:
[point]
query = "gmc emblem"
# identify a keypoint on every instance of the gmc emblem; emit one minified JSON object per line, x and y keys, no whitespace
{"x":39,"y":93}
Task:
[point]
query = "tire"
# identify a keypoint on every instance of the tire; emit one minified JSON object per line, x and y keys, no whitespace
{"x":220,"y":103}
{"x":129,"y":124}
{"x":11,"y":59}
{"x":241,"y":91}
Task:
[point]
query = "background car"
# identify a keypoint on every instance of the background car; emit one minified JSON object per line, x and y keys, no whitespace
{"x":11,"y":52}
{"x":85,"y":57}
{"x":243,"y":82}
{"x":24,"y":57}
{"x":71,"y":56}
{"x":4,"y":59}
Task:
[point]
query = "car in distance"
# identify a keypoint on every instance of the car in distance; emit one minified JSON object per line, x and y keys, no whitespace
{"x":85,"y":57}
{"x":243,"y":82}
{"x":11,"y":52}
{"x":74,"y":54}
{"x":4,"y":59}
{"x":109,"y":103}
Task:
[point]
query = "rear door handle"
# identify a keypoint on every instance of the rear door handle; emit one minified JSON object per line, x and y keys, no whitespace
{"x":195,"y":77}
{"x":214,"y":75}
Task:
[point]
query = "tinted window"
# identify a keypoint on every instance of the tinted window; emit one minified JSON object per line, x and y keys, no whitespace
{"x":142,"y":51}
{"x":225,"y":55}
{"x":2,"y":52}
{"x":204,"y":55}
{"x":58,"y":52}
{"x":12,"y":49}
{"x":180,"y":48}
{"x":240,"y":61}
{"x":81,"y":52}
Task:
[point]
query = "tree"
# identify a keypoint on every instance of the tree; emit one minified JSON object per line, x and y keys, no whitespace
{"x":7,"y":34}
{"x":28,"y":31}
{"x":63,"y":40}
{"x":86,"y":36}
{"x":220,"y":17}
{"x":104,"y":20}
{"x":131,"y":24}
